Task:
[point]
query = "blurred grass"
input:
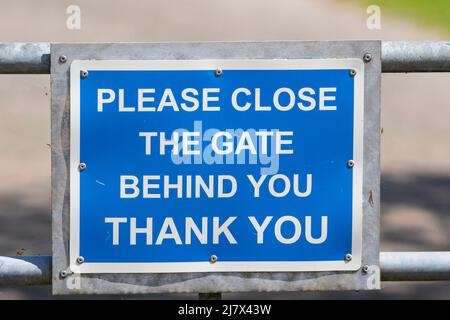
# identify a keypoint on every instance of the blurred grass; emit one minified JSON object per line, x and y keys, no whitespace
{"x":435,"y":13}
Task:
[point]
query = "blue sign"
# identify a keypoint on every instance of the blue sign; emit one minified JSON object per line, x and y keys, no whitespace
{"x":216,"y":165}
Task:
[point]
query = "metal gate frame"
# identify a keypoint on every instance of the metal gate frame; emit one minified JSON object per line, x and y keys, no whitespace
{"x":397,"y":57}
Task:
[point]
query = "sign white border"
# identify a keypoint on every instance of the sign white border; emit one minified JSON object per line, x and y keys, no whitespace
{"x":220,"y":266}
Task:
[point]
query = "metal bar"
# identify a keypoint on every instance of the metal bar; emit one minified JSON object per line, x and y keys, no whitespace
{"x":24,"y":58}
{"x":415,"y":266}
{"x":27,"y":270}
{"x":397,"y":56}
{"x":395,"y":266}
{"x":415,"y":56}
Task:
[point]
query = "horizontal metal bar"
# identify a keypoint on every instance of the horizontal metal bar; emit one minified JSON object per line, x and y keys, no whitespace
{"x":395,"y":266}
{"x":415,"y":266}
{"x":416,"y":56}
{"x":24,"y":58}
{"x":397,"y":56}
{"x":26,"y":270}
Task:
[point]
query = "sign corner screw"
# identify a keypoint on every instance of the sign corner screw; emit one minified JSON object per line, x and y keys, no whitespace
{"x":352,"y":72}
{"x":82,"y":166}
{"x":348,"y":257}
{"x":213,"y":258}
{"x":218,"y":72}
{"x":84,"y":73}
{"x":80,"y":260}
{"x":351,"y":163}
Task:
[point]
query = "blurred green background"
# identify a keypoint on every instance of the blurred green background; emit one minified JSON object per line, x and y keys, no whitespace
{"x":430,"y":13}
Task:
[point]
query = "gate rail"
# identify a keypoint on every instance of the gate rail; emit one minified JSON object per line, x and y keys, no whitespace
{"x":397,"y":57}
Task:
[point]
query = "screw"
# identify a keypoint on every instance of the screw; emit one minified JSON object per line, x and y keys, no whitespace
{"x":218,"y":72}
{"x":367,"y":57}
{"x":63,"y":274}
{"x":365,"y":268}
{"x":63,"y":59}
{"x":80,"y":260}
{"x":82,"y":166}
{"x":348,"y":257}
{"x":350,"y":163}
{"x":84,"y":73}
{"x":352,"y":72}
{"x":213,"y":258}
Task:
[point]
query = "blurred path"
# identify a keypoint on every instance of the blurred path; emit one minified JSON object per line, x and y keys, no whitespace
{"x":416,"y":113}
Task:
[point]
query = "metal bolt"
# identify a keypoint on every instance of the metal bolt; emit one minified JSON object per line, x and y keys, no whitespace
{"x":218,"y":72}
{"x":365,"y":268}
{"x":348,"y":257}
{"x":350,"y":163}
{"x":82,"y":166}
{"x":84,"y":73}
{"x":63,"y":59}
{"x":367,"y":57}
{"x":80,"y":260}
{"x":352,"y":72}
{"x":213,"y":258}
{"x":63,"y":274}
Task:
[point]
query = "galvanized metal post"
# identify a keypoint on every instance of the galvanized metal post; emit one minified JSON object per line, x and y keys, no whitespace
{"x":397,"y":56}
{"x":25,"y":270}
{"x":415,"y":266}
{"x":416,"y":56}
{"x":24,"y":58}
{"x":395,"y":266}
{"x":420,"y":56}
